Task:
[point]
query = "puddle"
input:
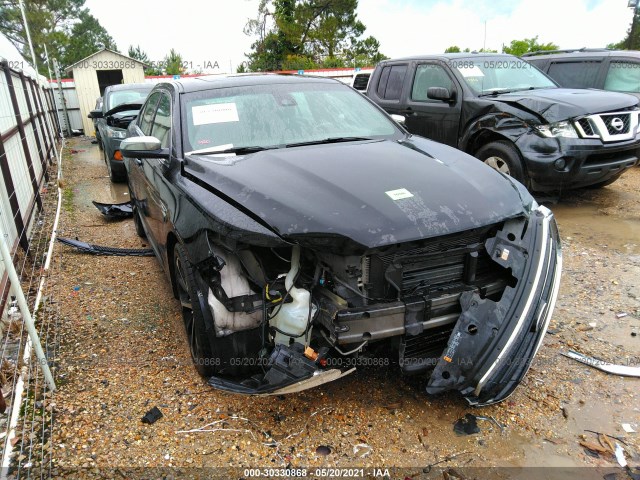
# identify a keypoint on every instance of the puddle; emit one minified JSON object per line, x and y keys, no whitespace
{"x":586,"y":222}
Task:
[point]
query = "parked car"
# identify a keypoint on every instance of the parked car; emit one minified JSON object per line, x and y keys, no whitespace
{"x":615,"y":70}
{"x":95,"y":121}
{"x":511,"y":116}
{"x":360,"y":80}
{"x":302,"y":229}
{"x":120,"y":106}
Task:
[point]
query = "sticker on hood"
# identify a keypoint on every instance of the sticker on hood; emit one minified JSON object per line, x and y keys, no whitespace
{"x":215,"y":113}
{"x":399,"y":194}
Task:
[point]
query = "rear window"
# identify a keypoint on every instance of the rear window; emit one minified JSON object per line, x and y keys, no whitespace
{"x":623,"y":77}
{"x":390,"y":83}
{"x":575,"y":74}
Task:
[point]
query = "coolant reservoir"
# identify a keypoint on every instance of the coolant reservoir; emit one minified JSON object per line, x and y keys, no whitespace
{"x":293,"y":317}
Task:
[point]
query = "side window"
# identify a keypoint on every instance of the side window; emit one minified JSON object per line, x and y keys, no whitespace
{"x":429,"y":76}
{"x":575,"y":74}
{"x":161,"y":126}
{"x":623,"y":77}
{"x":146,"y":114}
{"x":390,"y":83}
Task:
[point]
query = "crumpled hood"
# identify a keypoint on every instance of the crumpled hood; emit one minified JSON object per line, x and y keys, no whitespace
{"x":372,"y":192}
{"x":558,"y":104}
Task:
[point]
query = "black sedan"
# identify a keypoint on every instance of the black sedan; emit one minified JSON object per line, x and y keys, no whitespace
{"x":304,"y":231}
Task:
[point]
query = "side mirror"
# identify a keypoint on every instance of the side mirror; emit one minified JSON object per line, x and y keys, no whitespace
{"x":398,"y":119}
{"x":95,"y":114}
{"x":147,"y":147}
{"x":439,"y":93}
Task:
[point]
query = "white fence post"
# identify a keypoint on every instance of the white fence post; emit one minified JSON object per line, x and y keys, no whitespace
{"x":26,"y":314}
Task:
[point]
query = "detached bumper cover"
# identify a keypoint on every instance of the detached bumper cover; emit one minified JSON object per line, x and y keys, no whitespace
{"x":493,"y":343}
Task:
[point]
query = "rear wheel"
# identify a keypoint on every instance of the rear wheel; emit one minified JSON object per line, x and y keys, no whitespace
{"x":192,"y":294}
{"x":503,"y":156}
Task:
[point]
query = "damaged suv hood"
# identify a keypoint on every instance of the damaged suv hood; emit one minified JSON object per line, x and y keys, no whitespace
{"x":558,"y":104}
{"x":374,"y":192}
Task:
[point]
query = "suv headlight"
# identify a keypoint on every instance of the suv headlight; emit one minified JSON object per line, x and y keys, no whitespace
{"x":559,"y":129}
{"x":112,"y":133}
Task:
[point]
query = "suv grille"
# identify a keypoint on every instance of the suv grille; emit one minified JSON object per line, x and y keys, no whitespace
{"x":609,"y":127}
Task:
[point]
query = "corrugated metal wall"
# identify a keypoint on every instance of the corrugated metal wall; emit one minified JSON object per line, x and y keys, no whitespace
{"x":28,"y":138}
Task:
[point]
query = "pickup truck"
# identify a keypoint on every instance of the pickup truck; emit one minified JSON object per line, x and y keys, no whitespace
{"x":504,"y":111}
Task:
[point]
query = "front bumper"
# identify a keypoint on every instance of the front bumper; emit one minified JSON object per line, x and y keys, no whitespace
{"x":587,"y":161}
{"x":493,"y":343}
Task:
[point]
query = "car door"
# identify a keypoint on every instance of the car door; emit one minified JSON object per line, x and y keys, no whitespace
{"x":435,"y":119}
{"x":154,"y":170}
{"x":388,"y":90}
{"x":137,"y":182}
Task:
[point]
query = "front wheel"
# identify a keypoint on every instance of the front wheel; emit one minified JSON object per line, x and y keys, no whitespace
{"x":192,"y":293}
{"x":503,"y":157}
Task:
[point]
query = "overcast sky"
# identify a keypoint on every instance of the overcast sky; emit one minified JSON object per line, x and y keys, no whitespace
{"x":208,"y":32}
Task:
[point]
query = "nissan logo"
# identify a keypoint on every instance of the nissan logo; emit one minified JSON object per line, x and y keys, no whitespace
{"x":617,"y":123}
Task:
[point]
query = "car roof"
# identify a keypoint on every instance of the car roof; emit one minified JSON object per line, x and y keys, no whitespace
{"x":128,"y":86}
{"x":210,"y":82}
{"x":582,"y":53}
{"x":448,"y":56}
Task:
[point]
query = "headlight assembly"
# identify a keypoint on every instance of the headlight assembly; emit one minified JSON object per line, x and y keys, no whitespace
{"x":558,"y":129}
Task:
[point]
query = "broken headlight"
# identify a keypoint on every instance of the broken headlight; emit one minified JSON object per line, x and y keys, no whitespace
{"x":558,"y":129}
{"x":112,"y":133}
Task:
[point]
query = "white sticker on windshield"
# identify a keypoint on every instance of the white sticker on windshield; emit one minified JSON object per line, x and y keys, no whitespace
{"x":473,"y":71}
{"x":399,"y":194}
{"x":215,"y":113}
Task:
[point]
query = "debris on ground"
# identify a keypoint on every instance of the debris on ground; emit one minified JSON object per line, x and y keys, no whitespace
{"x":102,"y":250}
{"x":323,"y":450}
{"x":623,"y":370}
{"x":466,"y":425}
{"x":627,"y":427}
{"x":152,"y":416}
{"x":115,"y":210}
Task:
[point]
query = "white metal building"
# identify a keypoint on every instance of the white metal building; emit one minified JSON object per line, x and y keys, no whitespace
{"x":96,"y":72}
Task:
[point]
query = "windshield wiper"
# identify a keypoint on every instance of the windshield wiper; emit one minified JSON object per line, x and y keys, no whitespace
{"x":495,"y":92}
{"x":236,"y":150}
{"x":327,"y":140}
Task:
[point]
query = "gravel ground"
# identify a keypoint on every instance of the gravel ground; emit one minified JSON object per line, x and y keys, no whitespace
{"x":123,"y":351}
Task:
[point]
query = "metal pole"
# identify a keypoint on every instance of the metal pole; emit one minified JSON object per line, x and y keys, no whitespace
{"x":63,"y":101}
{"x":26,"y":28}
{"x":48,"y":63}
{"x":26,"y":314}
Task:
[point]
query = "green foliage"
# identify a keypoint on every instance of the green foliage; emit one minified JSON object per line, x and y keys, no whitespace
{"x":631,"y":41}
{"x":452,"y":49}
{"x":520,"y":47}
{"x":173,"y":63}
{"x":67,"y":29}
{"x":139,"y":54}
{"x":456,"y":49}
{"x":309,"y":34}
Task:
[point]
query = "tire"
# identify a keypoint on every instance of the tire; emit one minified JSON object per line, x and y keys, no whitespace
{"x":504,"y":157}
{"x":195,"y":312}
{"x":137,"y":221}
{"x":113,"y":176}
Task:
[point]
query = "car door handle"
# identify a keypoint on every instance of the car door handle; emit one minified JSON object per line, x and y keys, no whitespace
{"x":138,"y":161}
{"x":408,"y":112}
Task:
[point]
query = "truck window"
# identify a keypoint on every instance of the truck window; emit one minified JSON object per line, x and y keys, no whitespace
{"x":429,"y":76}
{"x":575,"y":74}
{"x":623,"y":77}
{"x":390,"y":83}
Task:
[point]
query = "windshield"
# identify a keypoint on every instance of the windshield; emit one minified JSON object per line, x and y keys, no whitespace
{"x":277,"y":115}
{"x":502,"y":74}
{"x":135,"y":95}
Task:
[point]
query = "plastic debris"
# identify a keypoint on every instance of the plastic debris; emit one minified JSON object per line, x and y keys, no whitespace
{"x":466,"y":425}
{"x":360,"y":447}
{"x":627,"y":427}
{"x":115,"y":210}
{"x":620,"y":455}
{"x":101,"y":250}
{"x":624,"y":370}
{"x":621,"y":315}
{"x":152,"y":416}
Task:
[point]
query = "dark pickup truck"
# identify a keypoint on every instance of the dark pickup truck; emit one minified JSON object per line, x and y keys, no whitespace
{"x":510,"y":115}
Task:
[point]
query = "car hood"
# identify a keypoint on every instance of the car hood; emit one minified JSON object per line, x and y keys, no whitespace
{"x":558,"y":104}
{"x":373,"y":192}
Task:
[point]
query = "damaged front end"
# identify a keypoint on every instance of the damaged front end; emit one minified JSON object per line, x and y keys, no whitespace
{"x":469,"y":309}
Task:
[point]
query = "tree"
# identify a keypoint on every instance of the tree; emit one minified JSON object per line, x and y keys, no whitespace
{"x":87,"y":37}
{"x":309,"y":32}
{"x":520,"y":47}
{"x":452,"y":49}
{"x":631,"y":40}
{"x":52,"y":23}
{"x":139,"y":54}
{"x":174,"y":64}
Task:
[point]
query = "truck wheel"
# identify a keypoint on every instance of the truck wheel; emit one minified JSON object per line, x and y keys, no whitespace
{"x":192,"y":294}
{"x":503,"y":156}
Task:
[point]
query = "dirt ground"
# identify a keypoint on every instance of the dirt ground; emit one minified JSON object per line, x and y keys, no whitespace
{"x":123,"y":351}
